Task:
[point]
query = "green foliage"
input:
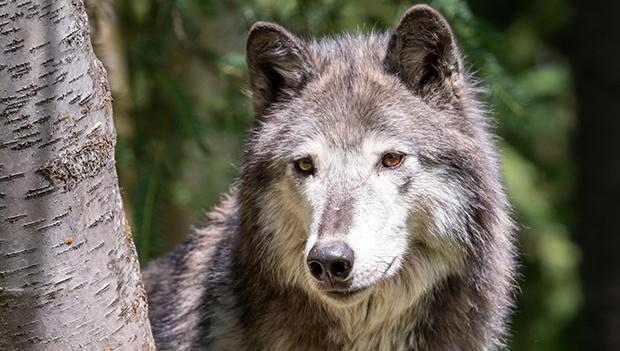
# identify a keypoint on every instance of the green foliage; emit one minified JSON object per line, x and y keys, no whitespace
{"x":187,"y":117}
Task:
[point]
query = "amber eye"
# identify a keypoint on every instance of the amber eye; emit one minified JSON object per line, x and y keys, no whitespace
{"x":305,"y":165}
{"x":391,"y":159}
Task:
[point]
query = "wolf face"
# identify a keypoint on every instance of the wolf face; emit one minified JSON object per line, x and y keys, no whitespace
{"x":365,"y":166}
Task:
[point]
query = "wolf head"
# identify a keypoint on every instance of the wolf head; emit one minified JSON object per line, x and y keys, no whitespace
{"x":369,"y":169}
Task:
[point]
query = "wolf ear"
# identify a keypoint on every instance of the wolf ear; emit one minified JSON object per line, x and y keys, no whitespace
{"x":278,"y":63}
{"x":423,"y":53}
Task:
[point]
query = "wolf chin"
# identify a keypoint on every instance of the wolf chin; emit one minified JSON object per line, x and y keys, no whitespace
{"x":369,"y":214}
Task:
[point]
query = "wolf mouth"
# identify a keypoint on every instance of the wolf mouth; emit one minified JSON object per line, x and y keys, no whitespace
{"x":343,"y":294}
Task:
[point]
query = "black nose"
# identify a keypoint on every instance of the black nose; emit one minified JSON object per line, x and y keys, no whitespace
{"x":332,"y":261}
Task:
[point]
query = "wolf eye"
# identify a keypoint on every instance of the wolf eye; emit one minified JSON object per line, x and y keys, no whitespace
{"x":391,"y":159}
{"x":305,"y":165}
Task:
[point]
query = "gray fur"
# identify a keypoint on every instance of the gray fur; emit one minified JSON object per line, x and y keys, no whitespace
{"x":433,"y":239}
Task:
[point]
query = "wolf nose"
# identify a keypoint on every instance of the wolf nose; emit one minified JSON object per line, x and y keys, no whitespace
{"x":331,"y":261}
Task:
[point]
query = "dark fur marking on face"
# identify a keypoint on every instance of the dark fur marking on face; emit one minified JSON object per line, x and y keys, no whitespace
{"x":404,"y":187}
{"x":336,"y":218}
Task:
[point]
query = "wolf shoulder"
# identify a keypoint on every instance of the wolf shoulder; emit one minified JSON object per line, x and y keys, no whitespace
{"x":177,"y":285}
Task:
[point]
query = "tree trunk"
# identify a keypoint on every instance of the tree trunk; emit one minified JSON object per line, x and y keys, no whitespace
{"x":595,"y":57}
{"x":69,"y":275}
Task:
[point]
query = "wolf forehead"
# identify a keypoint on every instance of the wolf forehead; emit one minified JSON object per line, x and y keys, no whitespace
{"x":349,"y":86}
{"x":351,"y":64}
{"x":407,"y":84}
{"x":349,"y":99}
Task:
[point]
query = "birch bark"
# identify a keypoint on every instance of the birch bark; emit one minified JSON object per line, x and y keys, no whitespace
{"x":69,"y":274}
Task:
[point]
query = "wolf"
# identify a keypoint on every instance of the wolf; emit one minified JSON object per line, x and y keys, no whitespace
{"x":369,"y":213}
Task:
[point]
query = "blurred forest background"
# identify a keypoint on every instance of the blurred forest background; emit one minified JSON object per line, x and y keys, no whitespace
{"x":177,"y":71}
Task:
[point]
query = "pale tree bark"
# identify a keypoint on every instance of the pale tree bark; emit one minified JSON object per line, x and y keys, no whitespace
{"x":69,"y":275}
